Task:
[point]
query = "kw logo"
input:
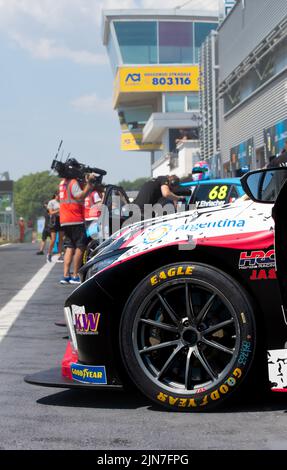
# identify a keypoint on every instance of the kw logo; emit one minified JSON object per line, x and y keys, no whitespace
{"x":134,"y":77}
{"x":87,"y":323}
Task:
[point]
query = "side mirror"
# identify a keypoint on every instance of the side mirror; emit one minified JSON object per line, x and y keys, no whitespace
{"x":264,"y":185}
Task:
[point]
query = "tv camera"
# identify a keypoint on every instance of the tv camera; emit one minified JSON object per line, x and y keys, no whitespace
{"x":72,"y":169}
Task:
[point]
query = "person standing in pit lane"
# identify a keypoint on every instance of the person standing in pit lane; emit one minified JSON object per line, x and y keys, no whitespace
{"x":55,"y":227}
{"x":72,"y":195}
{"x":21,"y":225}
{"x":93,"y":204}
{"x":46,"y":231}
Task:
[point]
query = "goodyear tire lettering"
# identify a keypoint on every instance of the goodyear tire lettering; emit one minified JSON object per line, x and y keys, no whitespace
{"x":191,"y":403}
{"x":173,"y":401}
{"x":231,"y":381}
{"x":162,"y":397}
{"x":204,"y":401}
{"x":213,"y":396}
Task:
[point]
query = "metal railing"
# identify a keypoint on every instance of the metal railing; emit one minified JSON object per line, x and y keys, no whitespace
{"x":9,"y":232}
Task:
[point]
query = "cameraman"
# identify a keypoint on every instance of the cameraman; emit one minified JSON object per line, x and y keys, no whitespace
{"x":72,"y":195}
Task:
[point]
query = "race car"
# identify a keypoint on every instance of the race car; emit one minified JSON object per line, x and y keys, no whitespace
{"x":189,"y":308}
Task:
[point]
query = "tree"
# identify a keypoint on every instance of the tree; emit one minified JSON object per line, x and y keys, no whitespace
{"x":30,"y":193}
{"x":132,"y":185}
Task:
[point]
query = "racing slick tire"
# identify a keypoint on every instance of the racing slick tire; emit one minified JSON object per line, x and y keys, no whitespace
{"x":88,"y":253}
{"x":187,"y":336}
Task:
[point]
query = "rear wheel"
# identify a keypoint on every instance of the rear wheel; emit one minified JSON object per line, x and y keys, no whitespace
{"x":188,"y":336}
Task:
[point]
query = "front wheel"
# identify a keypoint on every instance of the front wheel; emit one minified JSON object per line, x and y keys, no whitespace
{"x":90,"y":249}
{"x":187,"y":336}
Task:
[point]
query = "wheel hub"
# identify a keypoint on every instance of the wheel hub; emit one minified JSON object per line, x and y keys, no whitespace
{"x":190,"y":336}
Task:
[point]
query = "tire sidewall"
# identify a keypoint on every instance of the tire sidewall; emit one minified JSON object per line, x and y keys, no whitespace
{"x":201,"y":399}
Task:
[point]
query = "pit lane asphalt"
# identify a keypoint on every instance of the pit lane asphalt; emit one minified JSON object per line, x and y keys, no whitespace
{"x":33,"y":417}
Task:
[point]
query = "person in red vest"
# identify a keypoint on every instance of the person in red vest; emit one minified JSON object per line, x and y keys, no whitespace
{"x":21,"y":224}
{"x":72,"y":195}
{"x":93,"y":204}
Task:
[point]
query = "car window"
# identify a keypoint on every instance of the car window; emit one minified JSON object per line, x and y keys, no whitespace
{"x":211,"y":195}
{"x":233,"y":194}
{"x":115,"y":201}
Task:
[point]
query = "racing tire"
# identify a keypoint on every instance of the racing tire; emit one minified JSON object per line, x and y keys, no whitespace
{"x":188,"y":336}
{"x":88,"y":253}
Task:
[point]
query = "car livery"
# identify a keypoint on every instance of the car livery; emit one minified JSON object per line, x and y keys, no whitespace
{"x":187,"y":307}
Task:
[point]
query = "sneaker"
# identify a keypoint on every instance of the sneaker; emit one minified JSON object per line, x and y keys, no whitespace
{"x":49,"y":258}
{"x":40,"y":253}
{"x":75,"y":280}
{"x":65,"y":280}
{"x":60,"y":259}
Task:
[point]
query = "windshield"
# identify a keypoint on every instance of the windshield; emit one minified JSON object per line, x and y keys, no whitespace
{"x":208,"y":195}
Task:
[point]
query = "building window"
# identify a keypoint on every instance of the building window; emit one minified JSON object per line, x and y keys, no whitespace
{"x":134,"y":117}
{"x":174,"y":103}
{"x":175,"y":42}
{"x":177,"y":136}
{"x":137,"y":41}
{"x":114,"y":61}
{"x":201,"y":31}
{"x":232,"y":97}
{"x":179,"y":103}
{"x":192,"y":102}
{"x":161,"y":42}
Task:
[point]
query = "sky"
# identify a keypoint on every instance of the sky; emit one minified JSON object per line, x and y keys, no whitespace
{"x":56,"y":84}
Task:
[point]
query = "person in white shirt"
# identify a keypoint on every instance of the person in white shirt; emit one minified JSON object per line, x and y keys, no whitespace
{"x":55,"y":227}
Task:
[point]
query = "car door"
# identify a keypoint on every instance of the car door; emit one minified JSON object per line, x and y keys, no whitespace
{"x":280,"y":218}
{"x":115,"y":200}
{"x":270,"y":186}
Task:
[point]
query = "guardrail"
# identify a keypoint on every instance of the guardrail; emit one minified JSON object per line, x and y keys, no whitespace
{"x":9,"y":233}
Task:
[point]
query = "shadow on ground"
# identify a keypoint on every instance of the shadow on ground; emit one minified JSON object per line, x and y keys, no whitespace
{"x":126,"y":400}
{"x":132,"y":399}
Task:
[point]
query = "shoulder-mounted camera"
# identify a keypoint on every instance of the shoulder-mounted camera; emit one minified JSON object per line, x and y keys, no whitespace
{"x":72,"y":169}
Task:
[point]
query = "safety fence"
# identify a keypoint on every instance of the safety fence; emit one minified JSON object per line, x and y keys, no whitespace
{"x":9,"y":233}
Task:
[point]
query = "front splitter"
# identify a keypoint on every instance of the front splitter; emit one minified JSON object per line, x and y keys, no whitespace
{"x":54,"y":378}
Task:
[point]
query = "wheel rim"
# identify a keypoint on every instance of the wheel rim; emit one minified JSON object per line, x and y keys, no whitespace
{"x":186,"y":336}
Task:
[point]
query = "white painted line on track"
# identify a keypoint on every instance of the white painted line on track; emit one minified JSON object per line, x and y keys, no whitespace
{"x":10,"y":312}
{"x":6,"y":244}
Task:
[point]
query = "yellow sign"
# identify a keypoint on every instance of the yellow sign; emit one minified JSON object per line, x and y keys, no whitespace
{"x":157,"y":78}
{"x":130,"y":141}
